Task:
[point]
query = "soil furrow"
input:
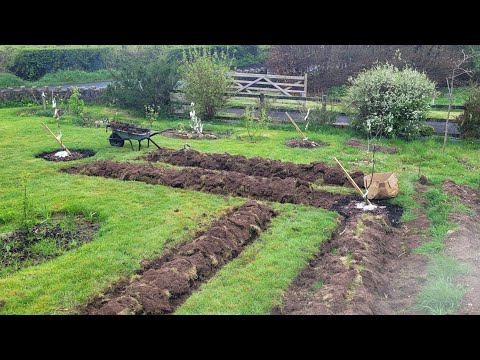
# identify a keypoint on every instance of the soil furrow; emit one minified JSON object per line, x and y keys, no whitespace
{"x":289,"y":190}
{"x":367,"y":267}
{"x":166,"y":283}
{"x":256,"y":166}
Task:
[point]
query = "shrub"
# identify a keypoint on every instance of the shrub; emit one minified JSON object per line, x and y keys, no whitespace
{"x":255,"y":127}
{"x":320,"y":116}
{"x":207,"y":80}
{"x":32,"y":64}
{"x":142,"y":79}
{"x":426,"y":130}
{"x":49,"y":112}
{"x":75,"y":104}
{"x":386,"y":101}
{"x":469,"y":125}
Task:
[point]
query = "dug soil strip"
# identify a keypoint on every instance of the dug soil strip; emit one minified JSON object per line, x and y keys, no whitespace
{"x":166,"y":283}
{"x":289,"y":190}
{"x":367,"y":267}
{"x":256,"y":166}
{"x":464,"y":244}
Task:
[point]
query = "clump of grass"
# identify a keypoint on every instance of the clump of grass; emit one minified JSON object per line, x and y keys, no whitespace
{"x":439,"y":207}
{"x":441,"y":295}
{"x":317,"y":285}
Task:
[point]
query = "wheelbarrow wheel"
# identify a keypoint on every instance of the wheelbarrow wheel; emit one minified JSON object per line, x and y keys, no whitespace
{"x":116,"y":140}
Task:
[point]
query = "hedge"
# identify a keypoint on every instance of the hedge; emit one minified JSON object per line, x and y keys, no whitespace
{"x":32,"y":64}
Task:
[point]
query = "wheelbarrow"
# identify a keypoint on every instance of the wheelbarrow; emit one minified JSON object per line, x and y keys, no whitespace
{"x":124,"y":131}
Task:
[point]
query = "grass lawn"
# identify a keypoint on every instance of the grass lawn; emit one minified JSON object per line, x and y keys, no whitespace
{"x":61,"y":77}
{"x":138,"y":221}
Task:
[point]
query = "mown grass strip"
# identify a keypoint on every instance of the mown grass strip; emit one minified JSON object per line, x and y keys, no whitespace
{"x":255,"y":281}
{"x":441,"y":294}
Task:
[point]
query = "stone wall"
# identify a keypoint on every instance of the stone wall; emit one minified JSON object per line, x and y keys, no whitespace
{"x":35,"y":93}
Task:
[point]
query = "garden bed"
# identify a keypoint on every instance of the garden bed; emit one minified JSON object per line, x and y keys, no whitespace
{"x":369,"y":266}
{"x":302,"y":143}
{"x":166,"y":283}
{"x":355,"y":143}
{"x":188,"y":135}
{"x":257,"y":166}
{"x":61,"y":155}
{"x":289,"y":190}
{"x":44,"y":241}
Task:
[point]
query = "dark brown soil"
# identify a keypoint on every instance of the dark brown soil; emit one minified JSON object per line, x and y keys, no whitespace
{"x":131,"y":128}
{"x":464,"y":244}
{"x":423,"y":180}
{"x":188,"y":135}
{"x":367,"y":267}
{"x":21,"y":244}
{"x":256,"y":166}
{"x":167,"y":282}
{"x":289,"y":190}
{"x":355,"y":143}
{"x":76,"y":155}
{"x":302,"y":143}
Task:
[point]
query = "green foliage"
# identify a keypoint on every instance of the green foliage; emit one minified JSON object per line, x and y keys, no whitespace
{"x":319,"y":116}
{"x":75,"y":104}
{"x":438,"y":208}
{"x":207,"y":80}
{"x":426,"y":130}
{"x":61,"y":77}
{"x":388,"y":102}
{"x":469,"y":126}
{"x":10,"y":80}
{"x":143,"y":78}
{"x":32,"y":64}
{"x":27,"y":219}
{"x":441,"y":295}
{"x":44,"y":113}
{"x":64,"y":77}
{"x":255,"y":127}
{"x":151,"y":114}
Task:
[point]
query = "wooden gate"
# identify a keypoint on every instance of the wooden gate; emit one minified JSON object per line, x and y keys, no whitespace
{"x":247,"y":83}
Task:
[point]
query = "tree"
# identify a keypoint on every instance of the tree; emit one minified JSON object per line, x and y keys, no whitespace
{"x":145,"y":77}
{"x":387,"y":101}
{"x":457,"y":70}
{"x":207,"y":80}
{"x":330,"y":65}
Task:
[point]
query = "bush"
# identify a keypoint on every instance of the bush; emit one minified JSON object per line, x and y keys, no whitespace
{"x":469,"y":125}
{"x":386,"y":101}
{"x":426,"y":130}
{"x":255,"y":127}
{"x":320,"y":116}
{"x":45,"y":113}
{"x":75,"y":104}
{"x":207,"y":80}
{"x":144,"y":79}
{"x":32,"y":64}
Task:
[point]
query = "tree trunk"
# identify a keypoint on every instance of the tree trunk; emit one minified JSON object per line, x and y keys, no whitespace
{"x":450,"y":93}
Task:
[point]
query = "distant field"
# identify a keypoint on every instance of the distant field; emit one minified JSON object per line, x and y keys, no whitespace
{"x":62,"y":77}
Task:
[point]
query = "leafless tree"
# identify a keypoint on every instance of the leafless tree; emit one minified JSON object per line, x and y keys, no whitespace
{"x":457,"y":70}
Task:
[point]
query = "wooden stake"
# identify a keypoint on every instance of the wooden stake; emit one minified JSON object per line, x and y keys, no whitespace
{"x":61,"y":144}
{"x":296,"y":126}
{"x":352,"y":182}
